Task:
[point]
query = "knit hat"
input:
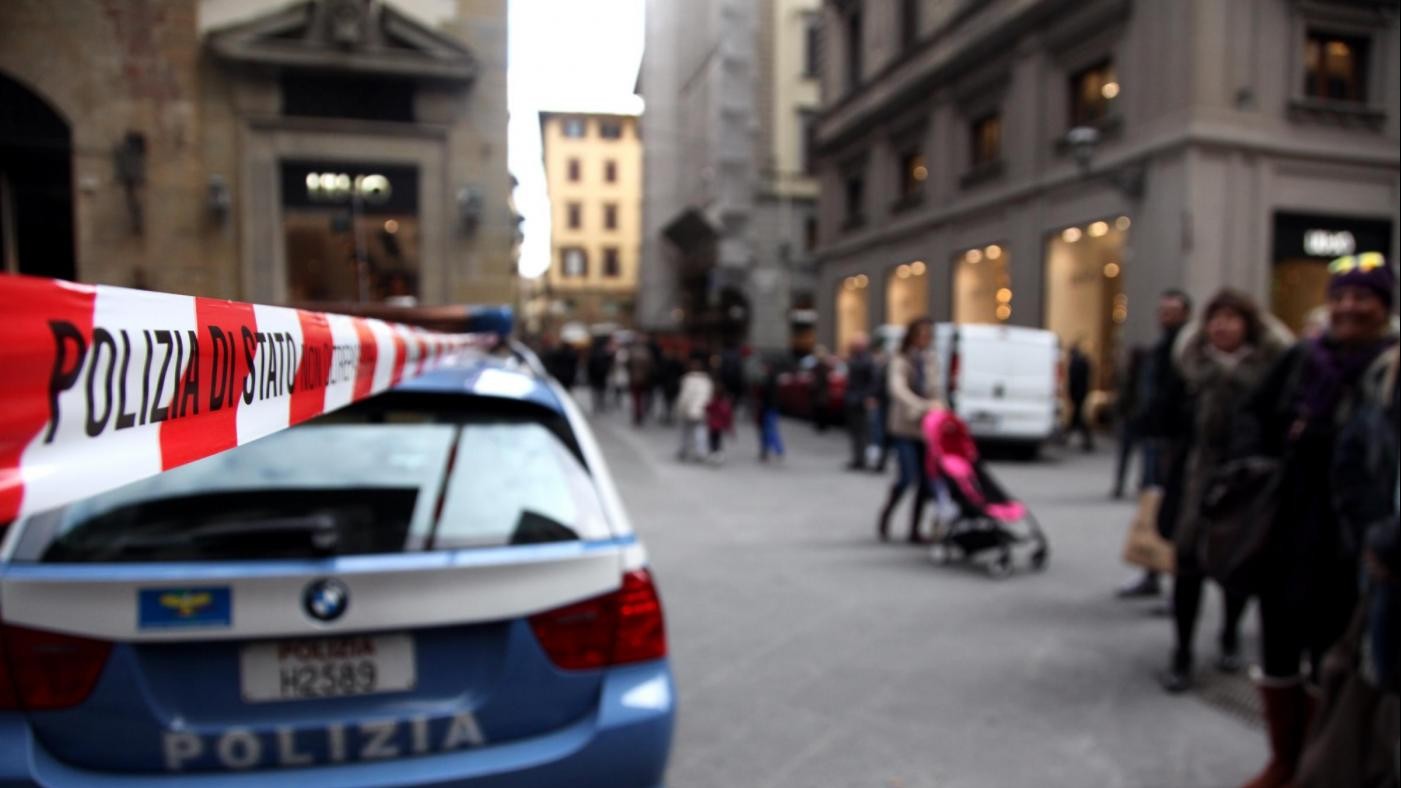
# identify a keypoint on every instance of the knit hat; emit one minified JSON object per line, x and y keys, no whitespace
{"x":1368,"y":270}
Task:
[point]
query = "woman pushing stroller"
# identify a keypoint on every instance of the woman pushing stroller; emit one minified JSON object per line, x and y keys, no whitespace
{"x":910,"y":381}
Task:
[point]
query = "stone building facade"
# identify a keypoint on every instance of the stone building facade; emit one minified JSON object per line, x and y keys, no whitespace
{"x":328,"y":150}
{"x":728,"y":205}
{"x":1236,"y":144}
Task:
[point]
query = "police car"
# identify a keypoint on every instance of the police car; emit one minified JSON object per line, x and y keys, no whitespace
{"x":437,"y":585}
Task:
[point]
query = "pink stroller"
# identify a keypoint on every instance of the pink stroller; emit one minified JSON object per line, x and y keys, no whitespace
{"x":988,"y":519}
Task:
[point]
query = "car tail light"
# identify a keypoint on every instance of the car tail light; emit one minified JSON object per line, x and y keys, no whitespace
{"x":41,"y":671}
{"x":614,"y":629}
{"x":955,"y":363}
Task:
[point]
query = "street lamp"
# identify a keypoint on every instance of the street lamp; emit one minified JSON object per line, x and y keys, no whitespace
{"x":1130,"y":179}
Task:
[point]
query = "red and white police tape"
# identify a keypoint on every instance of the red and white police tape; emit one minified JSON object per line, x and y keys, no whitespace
{"x":102,"y":386}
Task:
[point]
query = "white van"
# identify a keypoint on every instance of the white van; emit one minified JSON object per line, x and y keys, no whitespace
{"x":1001,"y":380}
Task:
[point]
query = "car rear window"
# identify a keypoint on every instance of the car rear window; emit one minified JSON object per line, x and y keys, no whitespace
{"x":365,"y":481}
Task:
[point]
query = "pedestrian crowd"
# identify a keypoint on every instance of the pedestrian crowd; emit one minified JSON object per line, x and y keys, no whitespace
{"x":700,"y":393}
{"x":1267,"y":468}
{"x":1274,"y":465}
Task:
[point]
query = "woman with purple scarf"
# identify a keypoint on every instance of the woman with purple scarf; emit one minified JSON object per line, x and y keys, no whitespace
{"x":1309,"y":583}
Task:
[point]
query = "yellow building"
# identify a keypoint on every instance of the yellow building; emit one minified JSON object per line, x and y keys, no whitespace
{"x":593,"y":170}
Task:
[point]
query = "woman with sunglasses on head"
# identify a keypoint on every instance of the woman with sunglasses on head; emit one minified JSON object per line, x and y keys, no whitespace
{"x":1309,"y":568}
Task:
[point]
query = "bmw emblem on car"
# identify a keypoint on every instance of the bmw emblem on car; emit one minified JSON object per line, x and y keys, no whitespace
{"x":326,"y":599}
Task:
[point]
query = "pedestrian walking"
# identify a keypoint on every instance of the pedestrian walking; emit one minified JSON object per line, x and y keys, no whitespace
{"x":1126,"y":406}
{"x":821,"y":389}
{"x":618,"y":383}
{"x":1310,"y":565}
{"x":731,"y":372}
{"x":719,"y":420}
{"x":880,"y":436}
{"x":697,"y":388}
{"x":1221,"y":360}
{"x":669,"y":378}
{"x":1162,"y":426}
{"x":859,"y":399}
{"x":600,"y":368}
{"x":1078,"y":372}
{"x":640,"y":369}
{"x":766,"y":412}
{"x":912,"y":386}
{"x":561,"y":361}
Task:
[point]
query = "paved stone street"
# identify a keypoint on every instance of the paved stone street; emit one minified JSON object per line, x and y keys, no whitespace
{"x":808,"y":654}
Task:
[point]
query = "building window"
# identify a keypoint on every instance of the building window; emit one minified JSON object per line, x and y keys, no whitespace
{"x":574,"y":261}
{"x":573,"y":170}
{"x":575,"y":128}
{"x":987,"y":140}
{"x":913,"y":174}
{"x":612,"y":266}
{"x":1335,"y":67}
{"x":1093,"y":92}
{"x":610,"y":171}
{"x":853,"y":49}
{"x":810,"y":233}
{"x":807,"y":128}
{"x":610,"y":216}
{"x":854,"y":191}
{"x":576,"y":215}
{"x":812,"y":53}
{"x":909,"y":23}
{"x":610,"y":130}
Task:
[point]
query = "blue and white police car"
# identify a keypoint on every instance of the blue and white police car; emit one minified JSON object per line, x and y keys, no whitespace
{"x":436,"y":586}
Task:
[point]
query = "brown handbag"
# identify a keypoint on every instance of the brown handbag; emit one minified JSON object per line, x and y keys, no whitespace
{"x":1354,"y":737}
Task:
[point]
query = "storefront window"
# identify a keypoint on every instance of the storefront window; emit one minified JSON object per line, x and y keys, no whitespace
{"x":982,"y":285}
{"x":1085,"y":300}
{"x":853,"y":312}
{"x":1303,"y":246}
{"x":907,"y":293}
{"x":351,"y":231}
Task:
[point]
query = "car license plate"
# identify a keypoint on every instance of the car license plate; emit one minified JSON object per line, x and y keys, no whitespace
{"x":334,"y":667}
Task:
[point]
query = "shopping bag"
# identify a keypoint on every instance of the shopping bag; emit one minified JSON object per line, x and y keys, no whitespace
{"x":1144,"y":546}
{"x":1352,"y":740}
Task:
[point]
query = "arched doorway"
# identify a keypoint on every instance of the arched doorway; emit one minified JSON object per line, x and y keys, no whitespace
{"x":36,"y":185}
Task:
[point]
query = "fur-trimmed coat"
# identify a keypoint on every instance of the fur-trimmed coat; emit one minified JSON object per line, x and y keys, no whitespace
{"x":1216,"y":391}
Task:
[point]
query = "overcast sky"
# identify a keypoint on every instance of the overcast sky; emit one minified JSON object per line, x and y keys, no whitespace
{"x":564,"y":54}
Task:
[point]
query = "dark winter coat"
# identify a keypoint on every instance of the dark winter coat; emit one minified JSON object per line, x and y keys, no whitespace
{"x":1215,"y":395}
{"x":1162,"y":413}
{"x":860,"y":379}
{"x":1308,"y":544}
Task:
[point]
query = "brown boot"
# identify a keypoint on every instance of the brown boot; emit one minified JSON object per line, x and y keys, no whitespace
{"x":883,"y":524}
{"x":1286,"y":708}
{"x":915,"y":536}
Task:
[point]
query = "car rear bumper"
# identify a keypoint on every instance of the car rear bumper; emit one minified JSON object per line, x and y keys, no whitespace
{"x":624,"y":743}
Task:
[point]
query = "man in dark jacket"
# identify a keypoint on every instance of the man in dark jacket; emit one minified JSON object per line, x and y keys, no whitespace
{"x":1078,"y":389}
{"x":1162,"y":424}
{"x":859,"y":399}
